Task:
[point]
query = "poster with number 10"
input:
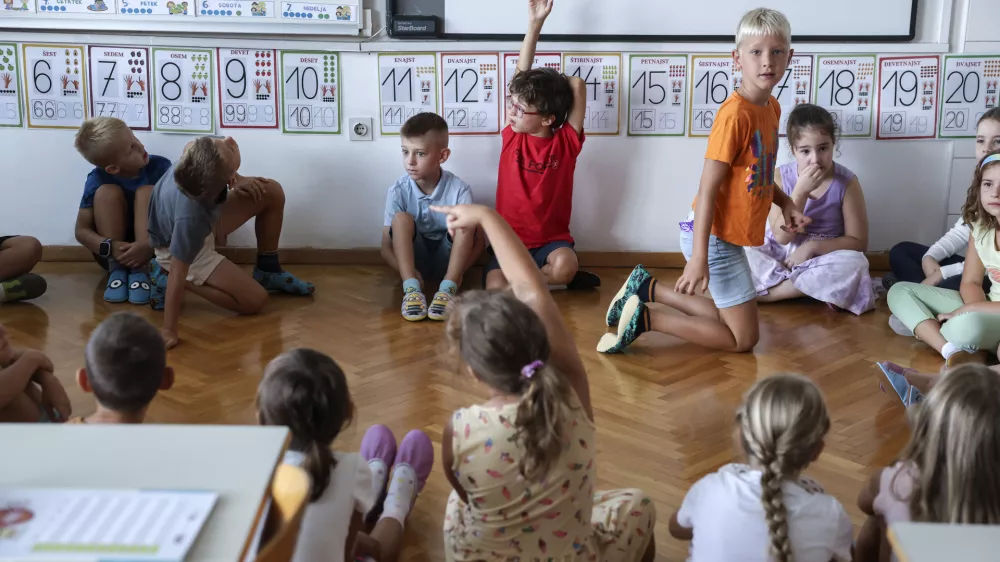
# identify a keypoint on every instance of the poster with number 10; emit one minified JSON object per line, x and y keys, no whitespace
{"x":248,"y":88}
{"x":470,"y":92}
{"x":55,"y":81}
{"x":846,"y":87}
{"x":969,"y":89}
{"x":119,"y":84}
{"x":602,"y":75}
{"x":657,"y":95}
{"x":310,"y":92}
{"x":407,"y":86}
{"x":183,"y":90}
{"x":908,"y":97}
{"x":11,"y":114}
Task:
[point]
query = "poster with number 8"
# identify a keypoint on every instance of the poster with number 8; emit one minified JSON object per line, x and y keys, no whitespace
{"x":407,"y":86}
{"x":183,"y":90}
{"x":470,"y":92}
{"x":712,"y":80}
{"x":969,"y":89}
{"x":248,"y":88}
{"x":846,"y":87}
{"x":119,"y":84}
{"x":310,"y":92}
{"x":908,"y":97}
{"x":10,"y":87}
{"x":55,"y":81}
{"x":657,"y":95}
{"x":602,"y":75}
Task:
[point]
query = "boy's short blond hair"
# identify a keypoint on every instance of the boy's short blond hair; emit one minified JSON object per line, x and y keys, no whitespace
{"x":99,"y":140}
{"x":201,"y":169}
{"x":763,"y":21}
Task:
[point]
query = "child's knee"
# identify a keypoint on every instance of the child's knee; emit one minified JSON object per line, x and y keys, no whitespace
{"x":900,"y":294}
{"x":496,"y":280}
{"x":31,"y":247}
{"x":564,"y":265}
{"x":254,"y":302}
{"x":403,"y":220}
{"x":109,"y":194}
{"x":275,"y":193}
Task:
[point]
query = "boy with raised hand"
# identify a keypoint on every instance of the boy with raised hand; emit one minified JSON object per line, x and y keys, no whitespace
{"x":542,"y":140}
{"x":200,"y":194}
{"x":112,"y":222}
{"x":415,"y":240}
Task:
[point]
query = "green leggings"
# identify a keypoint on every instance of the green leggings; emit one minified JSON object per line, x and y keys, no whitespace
{"x":914,"y":303}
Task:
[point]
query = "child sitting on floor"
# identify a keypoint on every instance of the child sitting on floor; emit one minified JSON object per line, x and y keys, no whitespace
{"x":947,"y":472}
{"x":29,"y":391}
{"x":114,"y":211}
{"x":767,"y":510}
{"x":200,"y":194}
{"x":541,"y":142}
{"x":18,"y":254}
{"x":522,"y":464}
{"x":415,"y":241}
{"x":126,"y":365}
{"x":827,"y":261}
{"x":306,"y":391}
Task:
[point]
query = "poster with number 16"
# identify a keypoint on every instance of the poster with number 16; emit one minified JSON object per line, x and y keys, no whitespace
{"x":712,"y":82}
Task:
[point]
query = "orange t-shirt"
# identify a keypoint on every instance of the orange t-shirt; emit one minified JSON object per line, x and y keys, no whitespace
{"x":745,"y":136}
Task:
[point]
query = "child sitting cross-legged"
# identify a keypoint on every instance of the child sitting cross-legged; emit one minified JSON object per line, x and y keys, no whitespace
{"x":126,"y":365}
{"x":29,"y":391}
{"x":415,"y":241}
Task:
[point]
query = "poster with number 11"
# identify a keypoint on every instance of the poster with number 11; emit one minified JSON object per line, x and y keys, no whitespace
{"x":407,"y":86}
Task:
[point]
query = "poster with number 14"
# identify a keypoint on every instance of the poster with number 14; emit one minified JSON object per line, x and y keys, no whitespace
{"x":969,"y":89}
{"x":602,"y":75}
{"x":908,"y":97}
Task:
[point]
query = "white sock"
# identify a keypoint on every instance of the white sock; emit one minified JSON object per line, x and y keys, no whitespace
{"x":378,"y":477}
{"x":948,"y":350}
{"x":399,"y":500}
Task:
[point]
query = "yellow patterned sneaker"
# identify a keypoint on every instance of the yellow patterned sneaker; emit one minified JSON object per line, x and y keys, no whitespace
{"x":439,"y":306}
{"x":414,"y":306}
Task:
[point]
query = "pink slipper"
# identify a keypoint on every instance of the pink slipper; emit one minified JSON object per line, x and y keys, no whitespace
{"x":379,"y":444}
{"x":417,"y":452}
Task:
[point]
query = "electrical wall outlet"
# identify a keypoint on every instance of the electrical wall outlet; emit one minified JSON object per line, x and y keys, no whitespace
{"x":360,"y":128}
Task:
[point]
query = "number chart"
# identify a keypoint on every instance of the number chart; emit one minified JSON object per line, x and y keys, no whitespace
{"x":174,"y":8}
{"x":11,"y":114}
{"x":712,"y":81}
{"x":470,"y":92}
{"x":407,"y":86}
{"x":92,"y":7}
{"x":602,"y":75}
{"x":119,"y":84}
{"x":907,"y":100}
{"x":795,"y":88}
{"x":845,"y":86}
{"x":657,"y":95}
{"x":310,"y":92}
{"x":236,"y":9}
{"x":542,"y":60}
{"x":55,"y":80}
{"x":248,"y":88}
{"x":183,"y":90}
{"x":969,"y":89}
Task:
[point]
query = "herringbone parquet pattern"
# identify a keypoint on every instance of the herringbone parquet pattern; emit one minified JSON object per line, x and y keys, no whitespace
{"x":664,"y":410}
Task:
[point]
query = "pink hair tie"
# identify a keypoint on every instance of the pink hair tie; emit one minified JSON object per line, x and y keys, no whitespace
{"x":528,"y":370}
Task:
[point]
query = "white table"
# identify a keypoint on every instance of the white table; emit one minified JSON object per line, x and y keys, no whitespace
{"x":934,"y":542}
{"x":235,"y":462}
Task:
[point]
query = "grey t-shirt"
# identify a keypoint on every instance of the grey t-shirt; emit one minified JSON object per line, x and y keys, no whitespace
{"x":178,"y":222}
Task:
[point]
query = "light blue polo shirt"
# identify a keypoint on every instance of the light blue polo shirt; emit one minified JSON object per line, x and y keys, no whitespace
{"x":405,"y":196}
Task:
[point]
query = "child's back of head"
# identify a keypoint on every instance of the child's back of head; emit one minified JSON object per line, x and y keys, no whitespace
{"x":100,"y":140}
{"x":545,"y":90}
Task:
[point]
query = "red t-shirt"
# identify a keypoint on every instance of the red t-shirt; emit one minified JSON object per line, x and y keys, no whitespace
{"x":535,"y":184}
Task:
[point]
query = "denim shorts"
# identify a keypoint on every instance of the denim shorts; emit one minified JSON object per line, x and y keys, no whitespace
{"x":430,"y":257}
{"x":729,"y":278}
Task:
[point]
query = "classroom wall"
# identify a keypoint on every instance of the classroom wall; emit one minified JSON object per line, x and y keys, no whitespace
{"x":630,"y":192}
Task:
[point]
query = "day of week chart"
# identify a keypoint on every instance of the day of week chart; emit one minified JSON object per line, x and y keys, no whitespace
{"x":907,"y":101}
{"x":11,"y":114}
{"x":318,"y":12}
{"x":846,"y":87}
{"x":602,"y":75}
{"x":177,"y":8}
{"x":310,"y":91}
{"x":119,"y":84}
{"x":658,"y":95}
{"x":55,"y":80}
{"x":236,"y":9}
{"x":248,"y":88}
{"x":542,"y":60}
{"x":407,"y":86}
{"x":183,"y":89}
{"x":969,"y":89}
{"x":470,"y":92}
{"x":94,"y":7}
{"x":711,"y":83}
{"x":795,"y":88}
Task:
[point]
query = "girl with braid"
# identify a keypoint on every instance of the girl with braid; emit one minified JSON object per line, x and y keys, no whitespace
{"x":766,"y":510}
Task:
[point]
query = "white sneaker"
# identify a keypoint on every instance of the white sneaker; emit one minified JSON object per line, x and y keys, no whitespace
{"x":897,"y":326}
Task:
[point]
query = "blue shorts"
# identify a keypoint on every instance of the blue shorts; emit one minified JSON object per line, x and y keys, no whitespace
{"x":540,"y":255}
{"x":729,"y":278}
{"x":430,"y":257}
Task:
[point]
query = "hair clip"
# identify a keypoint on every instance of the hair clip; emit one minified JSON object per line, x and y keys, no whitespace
{"x":528,"y":370}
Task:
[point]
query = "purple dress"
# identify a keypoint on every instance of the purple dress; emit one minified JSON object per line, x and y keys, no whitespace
{"x":839,"y":278}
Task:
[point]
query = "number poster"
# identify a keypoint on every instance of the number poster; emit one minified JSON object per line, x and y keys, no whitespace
{"x":470,"y":92}
{"x":712,"y":81}
{"x":183,"y":90}
{"x":602,"y":75}
{"x":55,"y":81}
{"x":542,"y":60}
{"x":248,"y":88}
{"x":11,"y":114}
{"x":119,"y":84}
{"x":657,"y":95}
{"x":795,"y":88}
{"x":908,"y":97}
{"x":846,"y":87}
{"x":969,"y":89}
{"x":407,"y":86}
{"x":310,"y":92}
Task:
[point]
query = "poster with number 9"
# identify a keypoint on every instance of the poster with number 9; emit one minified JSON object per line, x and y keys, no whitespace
{"x":183,"y":90}
{"x":248,"y":88}
{"x":11,"y":114}
{"x":55,"y":81}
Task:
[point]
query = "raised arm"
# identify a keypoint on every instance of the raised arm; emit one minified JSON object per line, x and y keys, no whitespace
{"x":538,"y":10}
{"x":578,"y":112}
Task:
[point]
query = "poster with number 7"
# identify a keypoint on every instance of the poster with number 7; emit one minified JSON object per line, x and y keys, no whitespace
{"x":908,"y":97}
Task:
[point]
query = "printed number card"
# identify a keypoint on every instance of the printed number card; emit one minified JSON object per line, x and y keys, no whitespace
{"x":846,"y":87}
{"x":795,"y":88}
{"x":236,"y":9}
{"x":183,"y":90}
{"x":908,"y":97}
{"x":55,"y":81}
{"x":177,"y":9}
{"x":657,"y":95}
{"x":248,"y":88}
{"x":968,"y":90}
{"x":470,"y":92}
{"x":93,"y":7}
{"x":11,"y":114}
{"x":318,"y":11}
{"x":712,"y":81}
{"x":119,"y":84}
{"x":542,"y":60}
{"x":407,"y":86}
{"x":602,"y":75}
{"x":310,"y":92}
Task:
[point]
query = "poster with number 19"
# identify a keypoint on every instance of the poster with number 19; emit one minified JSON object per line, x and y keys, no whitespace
{"x":908,"y":97}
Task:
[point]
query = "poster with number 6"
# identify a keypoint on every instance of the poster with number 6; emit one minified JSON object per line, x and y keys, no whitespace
{"x":11,"y":114}
{"x":846,"y":87}
{"x":969,"y":88}
{"x":407,"y":86}
{"x":908,"y":97}
{"x":55,"y":85}
{"x":119,"y":84}
{"x":248,"y":88}
{"x":657,"y":95}
{"x":183,"y":90}
{"x":712,"y":81}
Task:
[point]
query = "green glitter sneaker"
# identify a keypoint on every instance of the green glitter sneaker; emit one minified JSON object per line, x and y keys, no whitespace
{"x":633,"y":323}
{"x":636,"y":278}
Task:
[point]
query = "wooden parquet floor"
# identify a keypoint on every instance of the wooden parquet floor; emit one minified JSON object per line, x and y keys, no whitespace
{"x":664,"y":410}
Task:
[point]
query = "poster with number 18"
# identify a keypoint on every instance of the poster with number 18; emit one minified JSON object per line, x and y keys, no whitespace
{"x":969,"y":88}
{"x":846,"y":87}
{"x":908,"y":97}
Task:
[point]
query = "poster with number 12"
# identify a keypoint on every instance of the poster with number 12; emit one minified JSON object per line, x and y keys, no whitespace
{"x":470,"y":92}
{"x":908,"y":97}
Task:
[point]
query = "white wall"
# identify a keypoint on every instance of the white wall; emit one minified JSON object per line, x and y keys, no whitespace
{"x":630,"y":192}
